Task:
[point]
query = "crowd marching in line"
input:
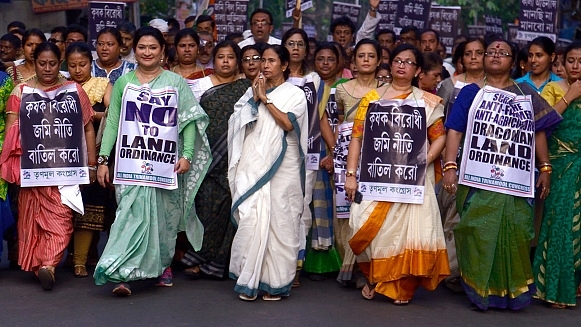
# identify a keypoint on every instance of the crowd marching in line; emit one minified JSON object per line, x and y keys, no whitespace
{"x":375,"y":158}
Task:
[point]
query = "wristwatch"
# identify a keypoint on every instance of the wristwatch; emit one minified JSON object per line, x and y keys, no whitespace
{"x":372,"y":9}
{"x":103,"y":160}
{"x":268,"y":101}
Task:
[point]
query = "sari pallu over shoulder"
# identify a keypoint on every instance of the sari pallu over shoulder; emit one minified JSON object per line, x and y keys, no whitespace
{"x":266,"y":176}
{"x":392,"y":251}
{"x":557,"y":261}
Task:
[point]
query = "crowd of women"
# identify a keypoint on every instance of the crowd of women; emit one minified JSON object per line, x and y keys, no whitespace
{"x":247,"y":164}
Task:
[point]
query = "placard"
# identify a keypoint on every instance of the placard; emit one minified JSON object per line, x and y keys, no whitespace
{"x":537,"y":18}
{"x":499,"y":146}
{"x":393,"y":154}
{"x":342,"y":202}
{"x":314,"y":132}
{"x":52,"y":138}
{"x":147,"y":141}
{"x":388,"y":11}
{"x":445,"y":21}
{"x":291,"y":4}
{"x":230,"y":17}
{"x":493,"y":24}
{"x":346,"y":9}
{"x":101,"y":15}
{"x":413,"y":13}
{"x":476,"y":30}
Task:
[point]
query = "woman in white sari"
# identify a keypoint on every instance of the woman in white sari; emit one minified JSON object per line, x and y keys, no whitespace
{"x":266,"y":146}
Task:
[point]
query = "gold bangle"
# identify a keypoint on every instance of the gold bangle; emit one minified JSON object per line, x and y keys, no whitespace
{"x":546,"y":169}
{"x":565,"y":100}
{"x":449,"y":167}
{"x":350,"y":173}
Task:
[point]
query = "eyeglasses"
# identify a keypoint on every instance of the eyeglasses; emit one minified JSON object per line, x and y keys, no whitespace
{"x":254,"y":58}
{"x":206,"y":43}
{"x":500,"y":54}
{"x":53,"y":40}
{"x":386,"y":78}
{"x":405,"y":63}
{"x":298,"y":44}
{"x":260,"y":23}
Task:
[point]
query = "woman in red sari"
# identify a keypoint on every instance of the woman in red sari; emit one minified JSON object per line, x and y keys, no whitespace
{"x":45,"y":224}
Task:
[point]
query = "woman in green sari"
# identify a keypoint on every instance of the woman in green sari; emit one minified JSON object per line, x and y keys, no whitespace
{"x":156,"y":185}
{"x":495,"y":230}
{"x":557,"y":261}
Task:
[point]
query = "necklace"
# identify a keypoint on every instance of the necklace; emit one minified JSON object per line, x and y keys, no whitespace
{"x":193,"y":71}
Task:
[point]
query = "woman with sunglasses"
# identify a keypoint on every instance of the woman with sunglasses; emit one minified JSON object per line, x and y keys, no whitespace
{"x":399,"y":246}
{"x":492,"y":245}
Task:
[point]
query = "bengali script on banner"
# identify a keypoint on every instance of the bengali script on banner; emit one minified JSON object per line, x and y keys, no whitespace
{"x":537,"y":18}
{"x":103,"y":14}
{"x":342,"y":202}
{"x":230,"y":17}
{"x":52,"y":138}
{"x":499,"y":144}
{"x":413,"y":13}
{"x":445,"y":20}
{"x":147,"y":142}
{"x":393,"y":155}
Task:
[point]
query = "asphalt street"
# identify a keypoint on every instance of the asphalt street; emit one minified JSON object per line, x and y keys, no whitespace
{"x":79,"y":302}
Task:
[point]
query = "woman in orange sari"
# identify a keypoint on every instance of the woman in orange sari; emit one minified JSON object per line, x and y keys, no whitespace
{"x":399,"y":246}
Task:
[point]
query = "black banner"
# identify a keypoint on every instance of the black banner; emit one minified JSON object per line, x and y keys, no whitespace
{"x":101,"y":15}
{"x":314,"y":137}
{"x":537,"y":18}
{"x":52,"y":134}
{"x":445,"y":21}
{"x":388,"y":11}
{"x":393,"y":155}
{"x":493,"y":24}
{"x":413,"y":13}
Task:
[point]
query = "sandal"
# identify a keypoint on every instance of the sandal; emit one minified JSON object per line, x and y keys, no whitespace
{"x":46,"y":277}
{"x":122,"y":290}
{"x":245,"y":297}
{"x":269,"y":297}
{"x":296,"y":282}
{"x":558,"y":306}
{"x":80,"y":271}
{"x":401,"y":302}
{"x":368,"y":291}
{"x":193,"y":272}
